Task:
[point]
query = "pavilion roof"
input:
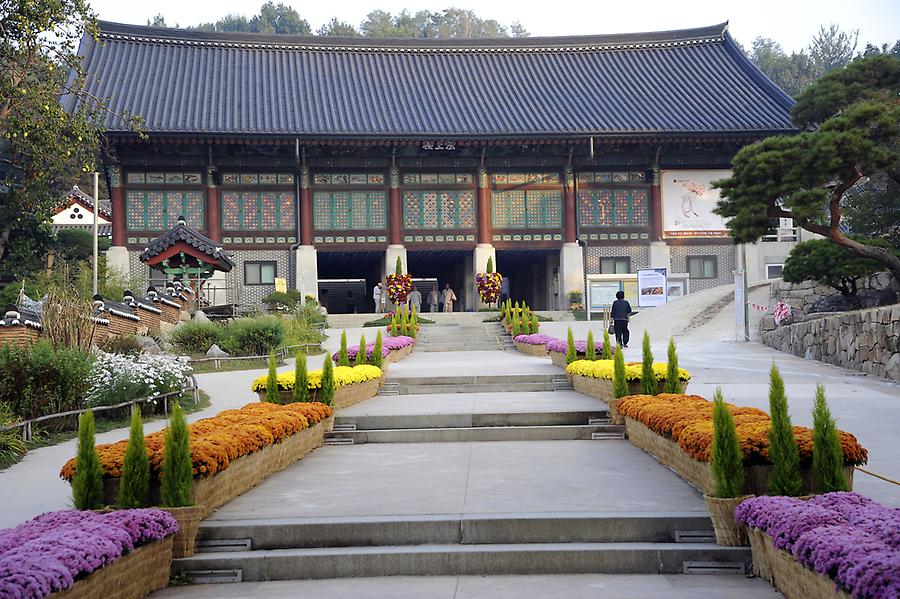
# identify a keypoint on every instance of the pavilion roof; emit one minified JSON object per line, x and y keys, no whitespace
{"x":693,"y":81}
{"x":197,"y":244}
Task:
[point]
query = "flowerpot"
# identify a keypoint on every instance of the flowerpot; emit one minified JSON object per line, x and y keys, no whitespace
{"x":721,"y":511}
{"x":789,"y":576}
{"x":188,"y":518}
{"x":538,"y":351}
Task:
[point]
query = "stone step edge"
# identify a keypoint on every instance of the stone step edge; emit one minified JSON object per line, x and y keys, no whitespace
{"x":617,"y":428}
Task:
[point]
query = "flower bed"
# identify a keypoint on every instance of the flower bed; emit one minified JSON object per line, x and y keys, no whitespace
{"x":677,"y":430}
{"x":276,"y":435}
{"x":557,"y":349}
{"x":353,"y":384}
{"x":117,"y":378}
{"x":125,"y":554}
{"x":833,"y":545}
{"x":533,"y":344}
{"x":390,"y":346}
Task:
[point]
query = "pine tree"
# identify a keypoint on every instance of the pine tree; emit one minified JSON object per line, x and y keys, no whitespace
{"x":326,"y":391}
{"x":177,"y":468}
{"x":620,"y":384}
{"x":377,"y":360}
{"x":783,"y":452}
{"x":273,"y":395}
{"x":673,"y":383}
{"x":87,"y":486}
{"x":607,"y":348}
{"x":301,"y":378}
{"x":361,"y":352}
{"x":649,"y":382}
{"x":343,"y":356}
{"x":590,"y":352}
{"x":827,"y":457}
{"x":726,"y":460}
{"x":571,"y":352}
{"x":134,"y":486}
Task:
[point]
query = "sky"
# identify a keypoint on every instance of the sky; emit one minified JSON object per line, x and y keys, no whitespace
{"x":791,"y":23}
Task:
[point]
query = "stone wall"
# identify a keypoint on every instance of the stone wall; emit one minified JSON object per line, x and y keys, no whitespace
{"x":801,"y":296}
{"x":865,"y":340}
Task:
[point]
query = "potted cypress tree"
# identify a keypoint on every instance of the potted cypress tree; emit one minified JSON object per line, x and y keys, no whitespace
{"x":649,"y":383}
{"x":326,"y":391}
{"x":673,"y":384}
{"x":301,"y":379}
{"x":177,"y":484}
{"x":606,"y":352}
{"x":361,"y":352}
{"x":827,"y":457}
{"x":783,"y":453}
{"x":134,"y":486}
{"x":727,"y":466}
{"x":273,"y":393}
{"x":571,"y":353}
{"x":343,"y":356}
{"x":377,"y":360}
{"x":620,"y":385}
{"x":590,"y":352}
{"x":87,"y":486}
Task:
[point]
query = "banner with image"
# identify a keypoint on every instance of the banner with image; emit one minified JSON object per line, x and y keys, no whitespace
{"x":652,"y":287}
{"x":688,"y":199}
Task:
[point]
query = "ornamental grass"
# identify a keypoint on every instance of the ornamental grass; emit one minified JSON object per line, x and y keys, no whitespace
{"x":343,"y":376}
{"x":604,"y":369}
{"x":687,"y":420}
{"x":216,"y":442}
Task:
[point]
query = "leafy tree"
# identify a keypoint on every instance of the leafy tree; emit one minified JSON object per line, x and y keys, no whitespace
{"x":783,"y":452}
{"x":649,"y":382}
{"x":620,"y":383}
{"x":273,"y":395}
{"x":607,"y":348}
{"x":447,"y":23}
{"x":834,"y":265}
{"x":571,"y":353}
{"x":87,"y":486}
{"x":343,"y":354}
{"x":793,"y":73}
{"x":272,"y":18}
{"x":335,"y":28}
{"x":872,"y":209}
{"x":673,"y":383}
{"x":361,"y":352}
{"x":851,"y":123}
{"x":301,"y":378}
{"x":134,"y":486}
{"x":45,"y":144}
{"x":377,"y":359}
{"x":831,"y":48}
{"x":326,"y":391}
{"x":827,"y":458}
{"x":590,"y":351}
{"x":157,"y":21}
{"x":177,"y":468}
{"x":726,"y":461}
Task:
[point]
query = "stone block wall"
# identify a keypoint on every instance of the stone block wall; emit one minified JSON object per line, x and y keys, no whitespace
{"x":865,"y":340}
{"x":802,"y":296}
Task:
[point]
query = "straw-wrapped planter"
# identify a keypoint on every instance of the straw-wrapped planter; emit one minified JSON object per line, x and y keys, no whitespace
{"x":398,"y":354}
{"x":602,"y":389}
{"x":188,"y":517}
{"x":699,"y":474}
{"x":132,"y":576}
{"x":789,"y":576}
{"x":529,"y":349}
{"x":345,"y":396}
{"x":729,"y":533}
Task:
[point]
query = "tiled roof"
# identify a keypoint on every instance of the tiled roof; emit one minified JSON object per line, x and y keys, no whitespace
{"x":77,"y":195}
{"x":694,"y":81}
{"x":192,"y":237}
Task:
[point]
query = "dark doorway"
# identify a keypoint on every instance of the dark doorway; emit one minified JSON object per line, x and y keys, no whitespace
{"x":530,"y":275}
{"x":346,"y":280}
{"x":446,"y":266}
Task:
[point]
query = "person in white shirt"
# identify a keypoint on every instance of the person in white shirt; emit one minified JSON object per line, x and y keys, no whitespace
{"x":378,"y":296}
{"x":434,"y":298}
{"x":415,"y":300}
{"x":448,"y":297}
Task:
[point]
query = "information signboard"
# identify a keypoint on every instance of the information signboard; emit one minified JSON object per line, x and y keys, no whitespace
{"x":653,"y":287}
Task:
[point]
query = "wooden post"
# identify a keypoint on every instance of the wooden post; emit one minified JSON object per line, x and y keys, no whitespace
{"x":117,"y":200}
{"x":484,"y":206}
{"x":395,"y":216}
{"x":213,"y":208}
{"x":306,"y":208}
{"x":656,"y":215}
{"x":569,"y":206}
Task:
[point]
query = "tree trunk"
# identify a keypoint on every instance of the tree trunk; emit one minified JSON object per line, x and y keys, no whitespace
{"x":883,"y":255}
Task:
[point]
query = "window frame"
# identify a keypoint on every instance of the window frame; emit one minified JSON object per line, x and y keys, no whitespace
{"x":616,"y":259}
{"x":715,"y":263}
{"x":260,"y":263}
{"x":768,"y":264}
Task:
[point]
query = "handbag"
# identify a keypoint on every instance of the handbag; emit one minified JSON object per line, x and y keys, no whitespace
{"x":612,"y":328}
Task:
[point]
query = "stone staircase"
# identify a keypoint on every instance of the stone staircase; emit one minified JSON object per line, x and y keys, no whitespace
{"x":463,"y":334}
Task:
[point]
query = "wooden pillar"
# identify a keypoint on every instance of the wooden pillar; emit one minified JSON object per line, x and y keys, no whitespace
{"x":484,"y":207}
{"x":656,"y":214}
{"x":213,"y":208}
{"x":306,"y":209}
{"x":569,"y":223}
{"x":395,"y":216}
{"x":117,"y":200}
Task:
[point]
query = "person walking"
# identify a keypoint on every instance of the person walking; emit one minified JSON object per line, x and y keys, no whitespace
{"x":448,"y":298}
{"x":621,"y":312}
{"x":415,"y":299}
{"x":434,"y":298}
{"x":378,"y":295}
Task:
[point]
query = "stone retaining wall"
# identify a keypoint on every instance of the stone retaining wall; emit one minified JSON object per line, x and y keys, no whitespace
{"x":866,"y":340}
{"x":802,"y":296}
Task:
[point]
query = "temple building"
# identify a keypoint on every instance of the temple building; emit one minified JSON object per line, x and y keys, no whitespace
{"x":321,"y":160}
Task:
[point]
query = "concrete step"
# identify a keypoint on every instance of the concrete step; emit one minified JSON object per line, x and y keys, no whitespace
{"x":482,"y":433}
{"x":458,"y":560}
{"x":481,"y":384}
{"x":448,"y":529}
{"x":390,"y":421}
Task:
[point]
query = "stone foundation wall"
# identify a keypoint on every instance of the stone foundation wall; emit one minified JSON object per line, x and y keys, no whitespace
{"x":802,"y":296}
{"x":865,"y":340}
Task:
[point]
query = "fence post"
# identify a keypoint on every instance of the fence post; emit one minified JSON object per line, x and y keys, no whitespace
{"x":166,"y":404}
{"x":216,"y":363}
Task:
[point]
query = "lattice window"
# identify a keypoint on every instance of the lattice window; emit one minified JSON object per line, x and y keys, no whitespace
{"x":349,"y":210}
{"x":526,"y":209}
{"x":159,"y":210}
{"x":612,"y":207}
{"x":439,"y":209}
{"x":258,"y":211}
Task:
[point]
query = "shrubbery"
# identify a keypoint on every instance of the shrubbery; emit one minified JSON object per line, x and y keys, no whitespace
{"x":197,"y":337}
{"x":116,"y":378}
{"x":253,"y":336}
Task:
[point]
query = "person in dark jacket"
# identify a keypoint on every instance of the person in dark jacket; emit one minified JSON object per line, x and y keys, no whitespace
{"x":621,"y":311}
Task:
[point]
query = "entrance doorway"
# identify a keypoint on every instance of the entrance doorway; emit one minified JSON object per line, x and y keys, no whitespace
{"x":533,"y":276}
{"x":442,"y":267}
{"x":346,"y":280}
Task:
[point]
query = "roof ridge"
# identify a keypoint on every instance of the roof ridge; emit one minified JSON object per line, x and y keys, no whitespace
{"x":653,"y":39}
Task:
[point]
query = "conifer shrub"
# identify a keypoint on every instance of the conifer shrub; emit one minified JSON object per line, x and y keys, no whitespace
{"x":726,"y":460}
{"x":827,"y":457}
{"x":87,"y":486}
{"x":490,"y":265}
{"x":516,"y":327}
{"x":620,"y":384}
{"x":398,"y":270}
{"x":361,"y":352}
{"x":177,"y":469}
{"x":571,"y":353}
{"x":272,"y":392}
{"x":535,"y":324}
{"x":301,"y":378}
{"x":649,"y":382}
{"x":673,"y":385}
{"x":377,"y":360}
{"x":590,"y":352}
{"x":326,"y":391}
{"x":134,"y":486}
{"x":606,"y":352}
{"x":783,"y":453}
{"x":343,"y":356}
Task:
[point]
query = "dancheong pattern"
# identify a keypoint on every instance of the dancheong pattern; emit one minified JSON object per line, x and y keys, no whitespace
{"x":258,"y":211}
{"x":612,"y":207}
{"x":159,"y":210}
{"x":439,"y":210}
{"x":349,"y":210}
{"x":526,"y":209}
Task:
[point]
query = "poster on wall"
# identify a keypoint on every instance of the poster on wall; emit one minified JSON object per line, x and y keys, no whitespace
{"x":652,"y":287}
{"x":603,"y":294}
{"x":688,"y":199}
